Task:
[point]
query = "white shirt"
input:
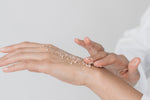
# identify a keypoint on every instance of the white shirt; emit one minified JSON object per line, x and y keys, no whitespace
{"x":136,"y":43}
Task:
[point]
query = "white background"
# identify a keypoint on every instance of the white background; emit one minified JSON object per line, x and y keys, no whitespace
{"x":58,"y":22}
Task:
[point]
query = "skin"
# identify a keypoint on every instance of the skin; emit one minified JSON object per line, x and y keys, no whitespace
{"x":46,"y":58}
{"x":43,"y":58}
{"x":118,"y":64}
{"x":109,"y":87}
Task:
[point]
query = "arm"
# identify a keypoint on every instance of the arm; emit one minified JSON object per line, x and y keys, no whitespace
{"x":134,"y":43}
{"x":111,"y":62}
{"x":51,"y":60}
{"x":117,"y":64}
{"x":109,"y":87}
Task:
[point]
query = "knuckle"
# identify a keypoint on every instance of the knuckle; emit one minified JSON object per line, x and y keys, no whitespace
{"x":46,"y":55}
{"x":112,"y":57}
{"x":26,"y":64}
{"x":122,"y":56}
{"x":48,"y":45}
{"x":112,"y":54}
{"x":124,"y":60}
{"x":25,"y":42}
{"x":21,"y":53}
{"x":20,"y":50}
{"x":100,"y":49}
{"x":104,"y":54}
{"x":100,"y":55}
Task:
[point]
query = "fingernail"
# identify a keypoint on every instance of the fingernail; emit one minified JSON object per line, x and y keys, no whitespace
{"x":97,"y":64}
{"x":89,"y":59}
{"x":135,"y":62}
{"x":5,"y":69}
{"x":3,"y":49}
{"x":87,"y":39}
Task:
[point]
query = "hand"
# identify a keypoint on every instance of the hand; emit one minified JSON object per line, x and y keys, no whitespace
{"x":118,"y":64}
{"x":45,"y":58}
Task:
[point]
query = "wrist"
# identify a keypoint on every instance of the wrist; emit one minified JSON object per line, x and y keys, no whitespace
{"x":94,"y":77}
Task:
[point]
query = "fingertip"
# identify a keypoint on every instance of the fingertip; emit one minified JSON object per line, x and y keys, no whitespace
{"x":139,"y":59}
{"x":87,"y":40}
{"x":136,"y":61}
{"x":77,"y":41}
{"x":88,"y":60}
{"x":133,"y":65}
{"x":85,"y":60}
{"x":5,"y":69}
{"x":123,"y":72}
{"x":97,"y":64}
{"x":3,"y":49}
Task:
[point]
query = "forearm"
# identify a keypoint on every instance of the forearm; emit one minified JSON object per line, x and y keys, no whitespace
{"x":105,"y":84}
{"x":66,"y":67}
{"x":109,"y":87}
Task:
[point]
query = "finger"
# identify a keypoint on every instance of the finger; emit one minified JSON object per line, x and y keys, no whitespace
{"x":133,"y":74}
{"x":88,"y":48}
{"x":80,"y":42}
{"x":22,"y":57}
{"x":95,"y":57}
{"x":31,"y":65}
{"x":15,"y":67}
{"x":89,"y":45}
{"x":92,"y":47}
{"x":133,"y":65}
{"x":19,"y":45}
{"x":26,"y":49}
{"x":123,"y":72}
{"x":108,"y":60}
{"x":92,"y":44}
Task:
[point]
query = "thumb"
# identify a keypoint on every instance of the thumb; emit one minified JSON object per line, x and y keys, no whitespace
{"x":133,"y":66}
{"x":133,"y":75}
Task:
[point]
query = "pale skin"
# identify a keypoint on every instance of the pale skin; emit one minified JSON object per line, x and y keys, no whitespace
{"x":48,"y":59}
{"x":118,"y":64}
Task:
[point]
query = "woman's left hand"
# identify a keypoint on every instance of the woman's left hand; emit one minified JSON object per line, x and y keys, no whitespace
{"x":45,"y":58}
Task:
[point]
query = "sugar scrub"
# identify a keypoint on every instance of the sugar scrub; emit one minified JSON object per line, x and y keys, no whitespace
{"x":71,"y":59}
{"x":66,"y":57}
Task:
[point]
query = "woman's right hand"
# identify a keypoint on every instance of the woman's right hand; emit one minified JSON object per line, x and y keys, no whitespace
{"x":118,"y":64}
{"x":46,"y":58}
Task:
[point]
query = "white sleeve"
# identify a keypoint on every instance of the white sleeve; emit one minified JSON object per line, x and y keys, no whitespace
{"x":131,"y":46}
{"x":135,"y":43}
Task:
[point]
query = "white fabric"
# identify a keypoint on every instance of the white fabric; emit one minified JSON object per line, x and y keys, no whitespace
{"x":136,"y":43}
